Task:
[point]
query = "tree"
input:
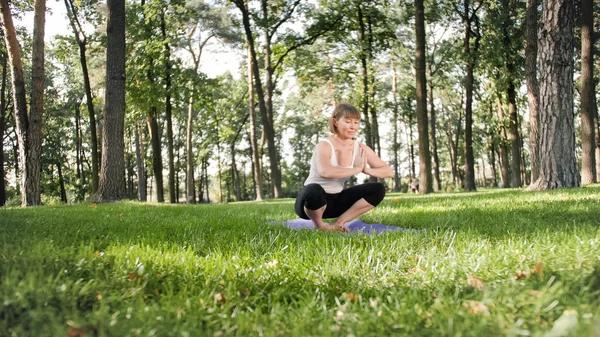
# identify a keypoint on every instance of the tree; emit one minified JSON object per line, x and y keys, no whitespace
{"x":29,"y":127}
{"x":112,"y":173}
{"x":82,"y":43}
{"x":558,"y":165}
{"x":470,"y":19}
{"x":425,"y":177}
{"x":531,"y":49}
{"x":276,"y":48}
{"x":4,"y":62}
{"x":588,"y":129}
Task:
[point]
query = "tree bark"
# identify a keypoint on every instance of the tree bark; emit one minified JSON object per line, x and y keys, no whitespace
{"x":531,"y":49}
{"x":189,"y":155}
{"x":29,"y":155}
{"x":558,"y":165}
{"x":365,"y":77}
{"x":262,"y":103}
{"x":437,"y":182}
{"x":157,"y":166}
{"x":82,"y":44}
{"x":168,"y":110}
{"x":502,"y":148}
{"x":395,"y":117}
{"x":257,"y":168}
{"x":61,"y":182}
{"x":470,"y":17}
{"x":112,"y":169}
{"x":588,"y":132}
{"x":3,"y":129}
{"x":141,"y":170}
{"x":425,"y":178}
{"x":514,"y":137}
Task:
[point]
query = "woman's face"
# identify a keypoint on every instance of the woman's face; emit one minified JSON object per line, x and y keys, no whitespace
{"x":347,"y":127}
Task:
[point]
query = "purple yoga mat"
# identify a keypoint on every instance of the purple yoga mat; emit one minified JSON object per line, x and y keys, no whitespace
{"x":355,"y":225}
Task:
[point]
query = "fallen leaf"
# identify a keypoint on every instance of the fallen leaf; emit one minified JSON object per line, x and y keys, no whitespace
{"x":271,"y":264}
{"x":352,"y":296}
{"x":538,"y":269}
{"x":220,"y":298}
{"x":417,"y":269}
{"x":396,"y":200}
{"x":93,"y":205}
{"x":476,"y":308}
{"x":475,"y":282}
{"x":76,"y":332}
{"x":521,"y":275}
{"x":132,"y":276}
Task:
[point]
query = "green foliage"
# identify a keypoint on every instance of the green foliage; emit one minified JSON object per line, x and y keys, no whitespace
{"x":492,"y":263}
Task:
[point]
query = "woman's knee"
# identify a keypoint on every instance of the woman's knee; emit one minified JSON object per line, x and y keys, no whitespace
{"x":375,"y":193}
{"x":314,"y":196}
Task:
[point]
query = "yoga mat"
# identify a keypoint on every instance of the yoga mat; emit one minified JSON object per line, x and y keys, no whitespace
{"x":355,"y":225}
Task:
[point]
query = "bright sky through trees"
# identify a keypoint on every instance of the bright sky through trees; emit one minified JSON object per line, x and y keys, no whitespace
{"x":216,"y":59}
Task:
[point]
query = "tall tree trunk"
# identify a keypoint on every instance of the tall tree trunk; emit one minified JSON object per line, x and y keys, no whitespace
{"x":558,"y":165}
{"x":493,"y":162}
{"x":365,"y":77}
{"x":425,"y":178}
{"x":502,"y":148}
{"x":61,"y":183}
{"x":411,"y":154}
{"x":189,"y":155}
{"x":372,"y":107}
{"x":262,"y":103}
{"x":597,"y":126}
{"x":513,"y":126}
{"x":112,"y":169}
{"x":141,"y":171}
{"x":437,"y":182}
{"x":82,"y":43}
{"x":268,"y":98}
{"x":470,"y":20}
{"x":395,"y":117}
{"x":157,"y":166}
{"x":531,"y":49}
{"x":168,"y":110}
{"x":257,"y":168}
{"x":34,"y":137}
{"x":26,"y":126}
{"x":588,"y":132}
{"x":3,"y":129}
{"x":514,"y":137}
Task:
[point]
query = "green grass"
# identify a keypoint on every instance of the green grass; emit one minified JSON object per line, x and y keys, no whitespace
{"x":491,"y":263}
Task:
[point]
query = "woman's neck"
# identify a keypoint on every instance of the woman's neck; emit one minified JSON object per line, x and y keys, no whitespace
{"x":342,"y":141}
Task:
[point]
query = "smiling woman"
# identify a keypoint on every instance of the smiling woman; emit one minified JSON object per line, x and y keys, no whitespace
{"x":334,"y":160}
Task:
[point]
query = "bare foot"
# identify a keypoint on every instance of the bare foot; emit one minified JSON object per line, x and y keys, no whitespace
{"x":329,"y":228}
{"x":340,"y":226}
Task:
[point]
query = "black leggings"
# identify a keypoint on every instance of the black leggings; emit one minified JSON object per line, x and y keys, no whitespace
{"x":313,"y":197}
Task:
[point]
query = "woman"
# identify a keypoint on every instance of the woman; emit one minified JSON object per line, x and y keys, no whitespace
{"x":334,"y":160}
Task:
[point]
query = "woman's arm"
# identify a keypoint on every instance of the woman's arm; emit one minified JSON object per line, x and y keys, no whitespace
{"x":326,"y":170}
{"x":376,"y":167}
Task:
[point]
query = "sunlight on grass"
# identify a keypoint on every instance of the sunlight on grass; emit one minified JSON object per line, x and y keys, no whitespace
{"x":495,"y":262}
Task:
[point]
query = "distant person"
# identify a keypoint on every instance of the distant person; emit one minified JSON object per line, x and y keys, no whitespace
{"x":334,"y":160}
{"x":414,"y":186}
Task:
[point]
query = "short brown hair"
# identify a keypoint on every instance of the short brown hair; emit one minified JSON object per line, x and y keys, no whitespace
{"x":342,"y":110}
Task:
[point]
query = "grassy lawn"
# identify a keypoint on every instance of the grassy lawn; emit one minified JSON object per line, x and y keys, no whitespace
{"x":491,"y":263}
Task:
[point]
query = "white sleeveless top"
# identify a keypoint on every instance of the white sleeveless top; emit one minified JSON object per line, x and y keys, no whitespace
{"x":331,"y":185}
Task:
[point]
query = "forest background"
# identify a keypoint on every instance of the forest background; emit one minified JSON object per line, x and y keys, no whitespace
{"x":449,"y":93}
